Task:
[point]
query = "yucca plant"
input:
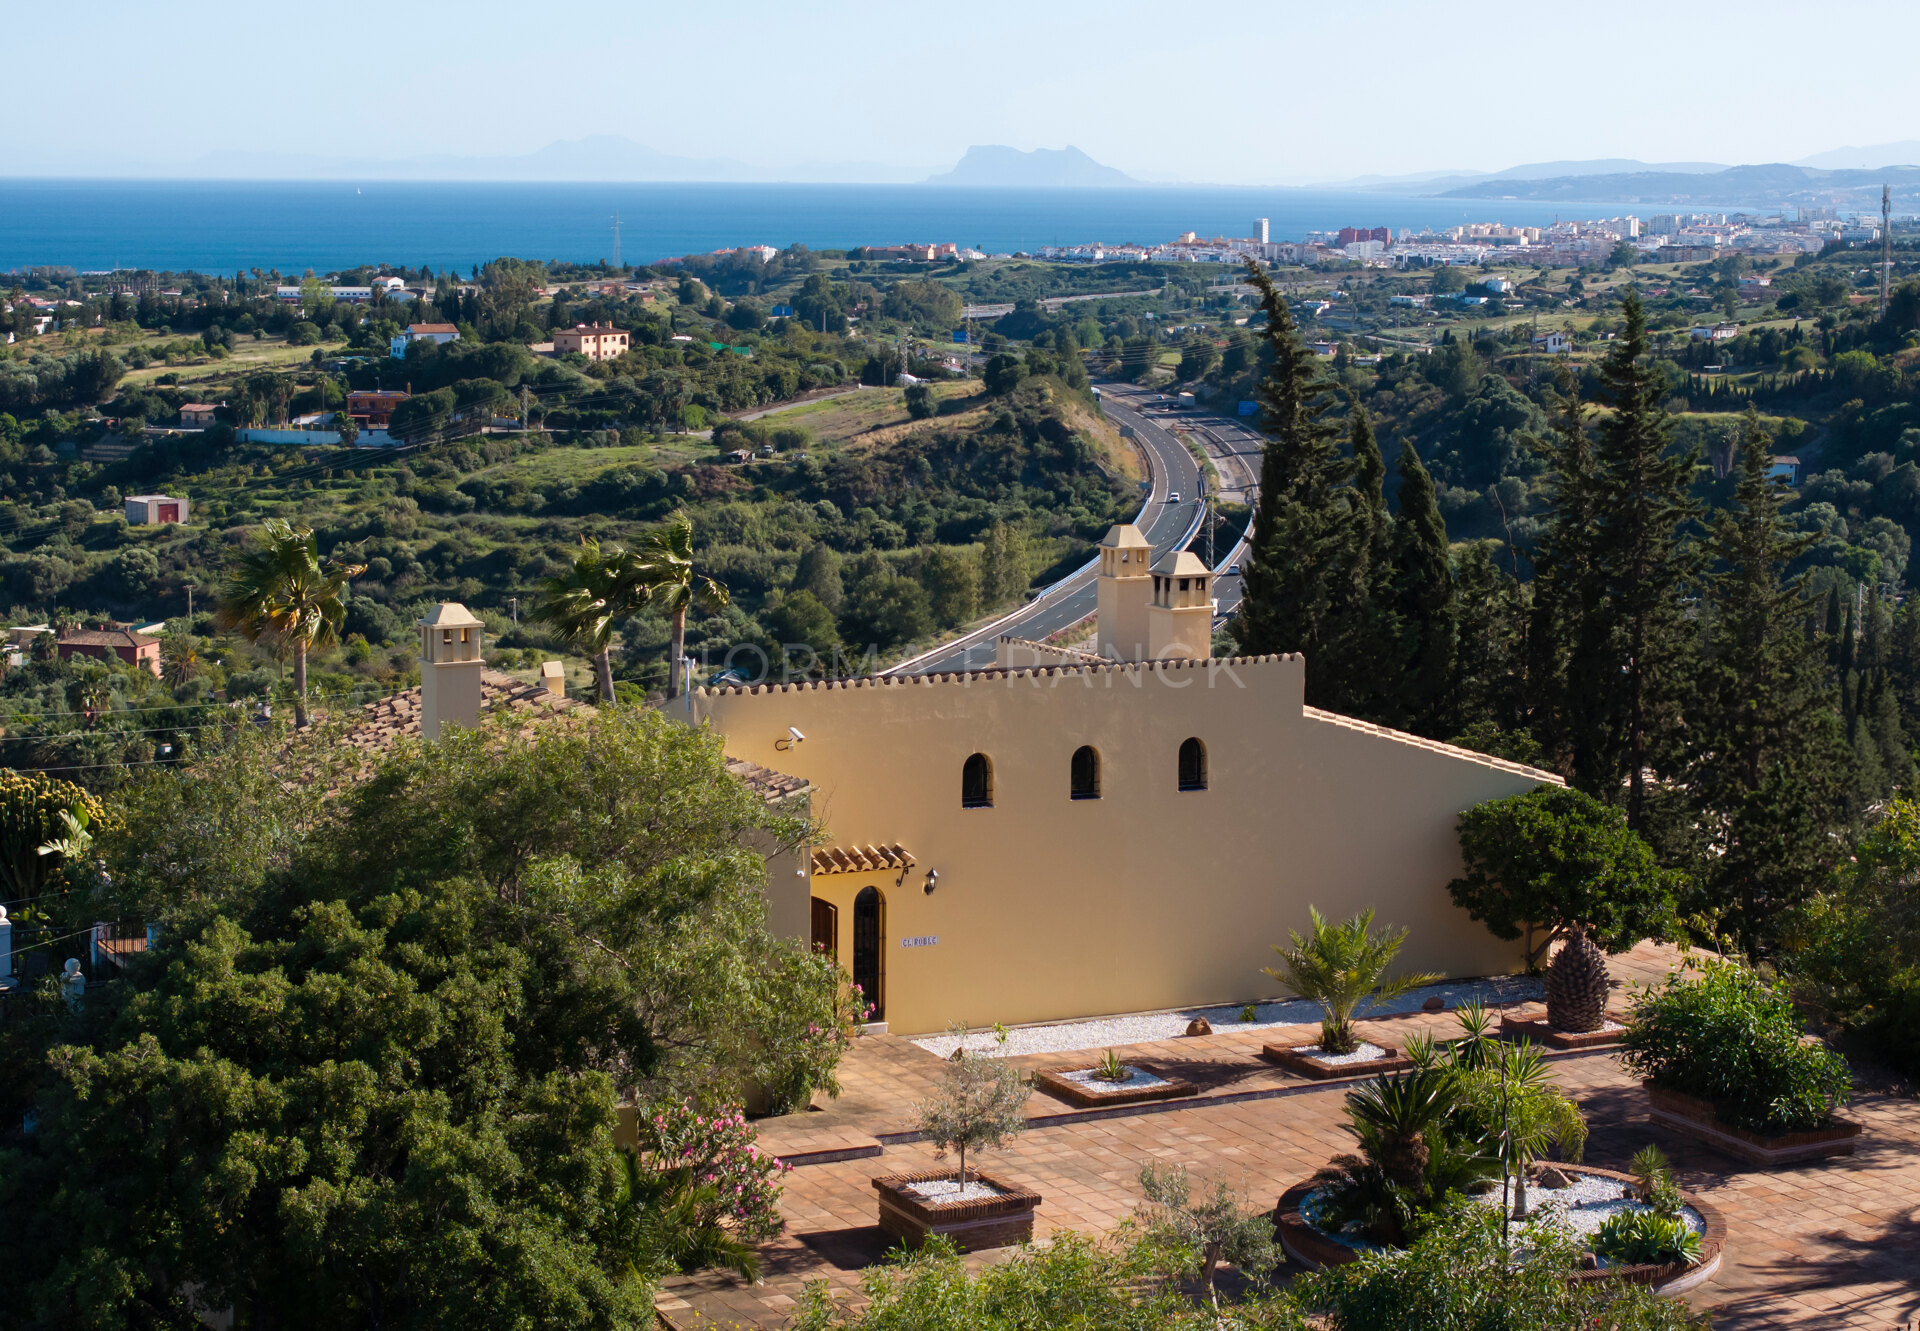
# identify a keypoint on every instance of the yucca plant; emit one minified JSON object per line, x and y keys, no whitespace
{"x":1339,"y":966}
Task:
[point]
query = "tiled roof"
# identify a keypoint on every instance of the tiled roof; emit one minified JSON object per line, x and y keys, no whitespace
{"x":772,"y":786}
{"x":397,"y":716}
{"x":105,"y":638}
{"x":861,"y":859}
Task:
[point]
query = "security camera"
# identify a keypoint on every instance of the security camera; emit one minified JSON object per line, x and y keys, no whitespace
{"x":793,"y":737}
{"x":794,"y":731}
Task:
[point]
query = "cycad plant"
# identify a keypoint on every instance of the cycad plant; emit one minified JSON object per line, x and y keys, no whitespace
{"x":1340,"y":965}
{"x":1414,"y":1152}
{"x":283,"y":594}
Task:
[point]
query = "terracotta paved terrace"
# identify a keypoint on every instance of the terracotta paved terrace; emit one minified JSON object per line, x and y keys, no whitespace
{"x":1832,"y":1244}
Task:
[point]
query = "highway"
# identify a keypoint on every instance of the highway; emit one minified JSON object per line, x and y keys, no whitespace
{"x":1167,"y":524}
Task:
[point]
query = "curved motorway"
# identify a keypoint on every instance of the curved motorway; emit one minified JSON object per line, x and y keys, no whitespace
{"x":1166,"y":523}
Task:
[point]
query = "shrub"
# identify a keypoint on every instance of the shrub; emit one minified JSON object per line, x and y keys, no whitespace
{"x":1461,"y":1274}
{"x":715,"y":1155}
{"x":1730,"y":1038}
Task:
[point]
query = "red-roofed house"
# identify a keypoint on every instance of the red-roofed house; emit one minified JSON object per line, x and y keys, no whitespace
{"x":136,"y":649}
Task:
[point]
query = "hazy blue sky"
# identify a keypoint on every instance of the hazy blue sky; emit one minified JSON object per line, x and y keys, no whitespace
{"x":1245,"y":93}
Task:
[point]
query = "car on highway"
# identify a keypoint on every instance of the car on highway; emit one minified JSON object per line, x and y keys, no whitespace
{"x":1233,"y":570}
{"x":1173,"y":496}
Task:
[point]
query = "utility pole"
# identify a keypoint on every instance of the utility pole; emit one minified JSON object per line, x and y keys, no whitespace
{"x":1886,"y":247}
{"x":616,"y":242}
{"x":525,"y":425}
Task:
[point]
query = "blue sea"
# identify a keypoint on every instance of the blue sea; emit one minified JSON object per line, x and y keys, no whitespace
{"x":226,"y":226}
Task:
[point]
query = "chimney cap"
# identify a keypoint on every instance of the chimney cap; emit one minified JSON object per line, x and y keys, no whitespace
{"x":1124,"y":536}
{"x":450,"y":615}
{"x":1181,"y":564}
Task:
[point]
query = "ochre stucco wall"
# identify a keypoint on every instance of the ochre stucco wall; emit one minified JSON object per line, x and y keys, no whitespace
{"x":1149,"y":897}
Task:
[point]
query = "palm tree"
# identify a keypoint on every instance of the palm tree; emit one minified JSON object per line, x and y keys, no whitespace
{"x":599,"y":589}
{"x":668,"y":557}
{"x":1338,"y":967}
{"x":1391,"y":1117}
{"x":282,"y":593}
{"x":179,"y":658}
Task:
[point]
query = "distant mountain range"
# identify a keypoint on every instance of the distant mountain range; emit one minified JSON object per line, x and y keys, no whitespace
{"x":1777,"y":184}
{"x":1845,"y":177}
{"x":993,"y":166}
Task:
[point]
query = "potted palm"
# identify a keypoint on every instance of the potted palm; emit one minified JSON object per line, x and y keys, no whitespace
{"x":1340,"y":966}
{"x":1558,"y":866}
{"x":980,"y":1102}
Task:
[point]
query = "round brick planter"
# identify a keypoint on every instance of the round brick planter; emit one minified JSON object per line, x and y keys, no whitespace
{"x":1313,"y":1248}
{"x":1696,"y":1118}
{"x":989,"y":1222}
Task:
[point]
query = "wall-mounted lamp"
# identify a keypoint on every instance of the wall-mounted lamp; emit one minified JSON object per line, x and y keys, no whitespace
{"x":933,"y":880}
{"x":793,"y":737}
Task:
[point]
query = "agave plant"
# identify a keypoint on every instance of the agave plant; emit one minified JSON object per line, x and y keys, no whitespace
{"x":1647,"y":1238}
{"x":1110,"y":1068}
{"x":1339,"y":966}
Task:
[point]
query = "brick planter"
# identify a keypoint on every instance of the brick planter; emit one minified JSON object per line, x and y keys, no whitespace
{"x":1293,"y":1058}
{"x":1083,"y":1095}
{"x":1312,"y":1248}
{"x":990,"y":1222}
{"x":1695,"y":1118}
{"x":1539,"y":1031}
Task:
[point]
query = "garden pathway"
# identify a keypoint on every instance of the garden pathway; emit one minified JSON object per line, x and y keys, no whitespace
{"x":1828,"y":1245}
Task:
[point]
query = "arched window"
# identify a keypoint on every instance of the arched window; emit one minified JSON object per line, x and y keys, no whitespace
{"x":976,"y":783}
{"x":1086,"y":773}
{"x":1193,"y":765}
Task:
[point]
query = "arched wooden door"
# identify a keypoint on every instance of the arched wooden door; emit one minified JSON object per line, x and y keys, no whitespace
{"x":869,"y":949}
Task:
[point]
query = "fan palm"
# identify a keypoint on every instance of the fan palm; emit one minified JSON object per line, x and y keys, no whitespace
{"x":282,"y":593}
{"x":179,"y":658}
{"x":668,"y":557}
{"x":602,"y":587}
{"x":1338,"y":967}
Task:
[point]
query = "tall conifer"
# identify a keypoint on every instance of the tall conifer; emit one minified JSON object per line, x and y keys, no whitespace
{"x":1307,"y":549}
{"x":1423,"y":600}
{"x":1646,"y":562}
{"x":1768,"y":754}
{"x":1567,"y":632}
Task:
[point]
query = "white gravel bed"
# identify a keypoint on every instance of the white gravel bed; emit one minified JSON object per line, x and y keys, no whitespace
{"x":1136,"y":1080}
{"x":1067,"y":1037}
{"x":1364,"y":1053}
{"x":947,"y":1190}
{"x":1580,"y":1208}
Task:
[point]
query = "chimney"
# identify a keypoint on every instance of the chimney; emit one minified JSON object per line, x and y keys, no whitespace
{"x":1123,"y":592}
{"x":450,"y":668}
{"x":1180,"y":620}
{"x":553,"y":678}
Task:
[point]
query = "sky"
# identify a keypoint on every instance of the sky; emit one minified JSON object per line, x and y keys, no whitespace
{"x":1228,"y":94}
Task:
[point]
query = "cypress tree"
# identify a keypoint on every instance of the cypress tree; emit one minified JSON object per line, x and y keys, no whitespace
{"x":1769,"y":758}
{"x":1645,"y":561}
{"x":1567,"y":631}
{"x":1306,"y":544}
{"x":1423,"y":599}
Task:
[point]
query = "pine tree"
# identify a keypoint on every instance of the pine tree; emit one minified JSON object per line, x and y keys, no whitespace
{"x":1645,"y":561}
{"x":1769,"y":757}
{"x":1306,"y":547}
{"x":1423,"y":599}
